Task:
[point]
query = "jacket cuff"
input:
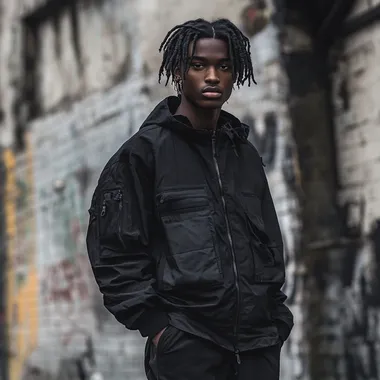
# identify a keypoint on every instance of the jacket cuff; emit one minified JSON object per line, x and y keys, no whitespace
{"x":152,"y":322}
{"x":283,"y":330}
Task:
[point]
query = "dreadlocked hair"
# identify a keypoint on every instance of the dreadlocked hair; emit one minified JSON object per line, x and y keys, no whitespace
{"x":178,"y":40}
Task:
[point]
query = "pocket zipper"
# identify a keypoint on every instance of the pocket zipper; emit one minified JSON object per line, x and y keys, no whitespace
{"x":118,"y":197}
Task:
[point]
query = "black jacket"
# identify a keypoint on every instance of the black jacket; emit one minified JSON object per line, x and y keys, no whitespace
{"x":183,"y":231}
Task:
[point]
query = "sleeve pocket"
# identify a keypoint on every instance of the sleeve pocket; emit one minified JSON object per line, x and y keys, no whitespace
{"x":111,"y":223}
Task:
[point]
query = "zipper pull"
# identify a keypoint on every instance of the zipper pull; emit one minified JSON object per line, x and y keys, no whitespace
{"x":104,"y":209}
{"x":237,"y":355}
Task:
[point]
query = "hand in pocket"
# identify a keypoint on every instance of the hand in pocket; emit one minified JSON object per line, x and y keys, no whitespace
{"x":156,"y":339}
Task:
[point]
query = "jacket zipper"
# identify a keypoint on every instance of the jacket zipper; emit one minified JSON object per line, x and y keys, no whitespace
{"x":229,"y":236}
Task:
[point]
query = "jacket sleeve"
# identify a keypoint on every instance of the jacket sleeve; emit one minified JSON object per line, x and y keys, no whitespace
{"x":118,"y":242}
{"x":282,"y":315}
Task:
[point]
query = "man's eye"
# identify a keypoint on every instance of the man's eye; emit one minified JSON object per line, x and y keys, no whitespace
{"x":225,"y":67}
{"x":197,"y":65}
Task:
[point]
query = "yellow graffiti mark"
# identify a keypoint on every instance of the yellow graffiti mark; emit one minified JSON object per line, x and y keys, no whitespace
{"x":22,"y":297}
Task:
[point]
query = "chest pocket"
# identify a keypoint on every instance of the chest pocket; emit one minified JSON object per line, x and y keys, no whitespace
{"x":267,"y":257}
{"x":192,"y":261}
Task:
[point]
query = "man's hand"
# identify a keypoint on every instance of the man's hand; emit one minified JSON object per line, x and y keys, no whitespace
{"x":156,"y":339}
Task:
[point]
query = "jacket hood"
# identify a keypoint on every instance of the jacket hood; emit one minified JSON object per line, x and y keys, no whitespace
{"x":164,"y":115}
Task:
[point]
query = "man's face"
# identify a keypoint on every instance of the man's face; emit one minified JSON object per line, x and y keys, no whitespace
{"x":209,"y":81}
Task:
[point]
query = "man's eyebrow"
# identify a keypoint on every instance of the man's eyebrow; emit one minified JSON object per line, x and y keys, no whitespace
{"x":198,"y":58}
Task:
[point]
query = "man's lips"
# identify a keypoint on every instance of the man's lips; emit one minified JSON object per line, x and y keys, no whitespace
{"x":213,"y":95}
{"x":212,"y":92}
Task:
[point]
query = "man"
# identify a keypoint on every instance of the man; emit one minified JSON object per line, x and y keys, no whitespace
{"x":183,"y":237}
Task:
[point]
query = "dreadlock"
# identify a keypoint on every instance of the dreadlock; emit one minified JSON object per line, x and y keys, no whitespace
{"x":176,"y":48}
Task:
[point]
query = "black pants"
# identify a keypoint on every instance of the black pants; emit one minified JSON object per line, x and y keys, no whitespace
{"x":182,"y":356}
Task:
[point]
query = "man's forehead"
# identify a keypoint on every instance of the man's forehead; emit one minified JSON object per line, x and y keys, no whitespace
{"x":210,"y":47}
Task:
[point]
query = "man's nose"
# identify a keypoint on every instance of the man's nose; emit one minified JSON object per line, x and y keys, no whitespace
{"x":211,"y":76}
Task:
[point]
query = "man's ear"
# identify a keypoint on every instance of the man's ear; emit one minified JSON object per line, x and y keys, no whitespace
{"x":177,"y":75}
{"x":178,"y":81}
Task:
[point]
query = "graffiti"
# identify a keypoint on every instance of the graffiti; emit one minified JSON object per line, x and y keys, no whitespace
{"x":289,"y":167}
{"x":270,"y":133}
{"x":71,"y":311}
{"x":352,"y":213}
{"x":274,"y":143}
{"x":294,"y":353}
{"x":361,"y":327}
{"x":266,"y":141}
{"x":66,"y":282}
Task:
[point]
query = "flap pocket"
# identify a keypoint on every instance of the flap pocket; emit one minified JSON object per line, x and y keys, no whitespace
{"x":267,"y":257}
{"x":252,"y":206}
{"x":268,"y":261}
{"x":180,"y":200}
{"x":192,"y":261}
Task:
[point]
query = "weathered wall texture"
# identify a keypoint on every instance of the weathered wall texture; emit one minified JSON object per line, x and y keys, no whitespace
{"x":11,"y":63}
{"x":72,"y":62}
{"x":92,"y":92}
{"x":53,"y":56}
{"x":357,"y":87}
{"x":71,"y":316}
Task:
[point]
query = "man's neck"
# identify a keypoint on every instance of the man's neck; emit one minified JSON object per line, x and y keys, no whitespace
{"x":200,"y":118}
